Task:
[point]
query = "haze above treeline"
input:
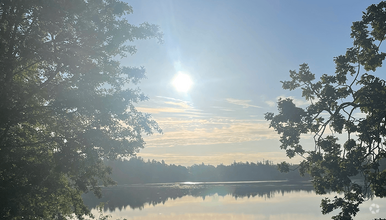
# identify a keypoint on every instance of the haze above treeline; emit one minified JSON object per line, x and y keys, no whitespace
{"x":137,"y":170}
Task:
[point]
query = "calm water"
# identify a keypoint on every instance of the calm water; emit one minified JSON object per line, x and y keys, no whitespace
{"x":236,"y":200}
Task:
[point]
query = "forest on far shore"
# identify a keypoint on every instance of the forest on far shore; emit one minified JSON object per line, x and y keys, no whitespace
{"x":137,"y":170}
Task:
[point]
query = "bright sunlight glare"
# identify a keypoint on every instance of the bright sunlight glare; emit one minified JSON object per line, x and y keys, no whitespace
{"x":182,"y":82}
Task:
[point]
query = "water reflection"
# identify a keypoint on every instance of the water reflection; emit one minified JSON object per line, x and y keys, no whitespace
{"x":138,"y":196}
{"x":237,"y":200}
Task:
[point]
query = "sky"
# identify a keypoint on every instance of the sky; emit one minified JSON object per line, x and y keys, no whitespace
{"x":236,"y":53}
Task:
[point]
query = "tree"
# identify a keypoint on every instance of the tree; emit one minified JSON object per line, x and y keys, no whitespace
{"x":350,"y":103}
{"x":66,"y":103}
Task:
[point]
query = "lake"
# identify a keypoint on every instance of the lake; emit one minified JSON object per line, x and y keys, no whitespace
{"x":267,"y":200}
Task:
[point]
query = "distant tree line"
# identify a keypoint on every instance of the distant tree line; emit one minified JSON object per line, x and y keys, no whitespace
{"x":136,"y":170}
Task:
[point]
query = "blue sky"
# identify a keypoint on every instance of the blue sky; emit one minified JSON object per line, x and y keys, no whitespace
{"x":236,"y":53}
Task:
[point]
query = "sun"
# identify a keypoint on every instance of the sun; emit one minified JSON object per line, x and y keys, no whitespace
{"x":182,"y":82}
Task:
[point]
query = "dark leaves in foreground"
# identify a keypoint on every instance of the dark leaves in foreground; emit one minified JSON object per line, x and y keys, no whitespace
{"x":348,"y":102}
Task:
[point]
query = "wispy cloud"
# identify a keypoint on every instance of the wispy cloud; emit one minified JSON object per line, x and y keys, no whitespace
{"x":180,"y":104}
{"x":243,"y":103}
{"x":270,"y":103}
{"x":297,"y":102}
{"x":160,"y":110}
{"x":170,"y":98}
{"x":210,"y":131}
{"x":223,"y":109}
{"x":219,"y":158}
{"x":169,"y":105}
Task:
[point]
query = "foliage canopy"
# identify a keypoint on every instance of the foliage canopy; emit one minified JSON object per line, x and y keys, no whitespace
{"x":351,"y":102}
{"x":65,"y":102}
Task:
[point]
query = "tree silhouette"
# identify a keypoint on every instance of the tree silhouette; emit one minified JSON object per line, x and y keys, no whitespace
{"x":336,"y":101}
{"x":137,"y":171}
{"x":65,"y":102}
